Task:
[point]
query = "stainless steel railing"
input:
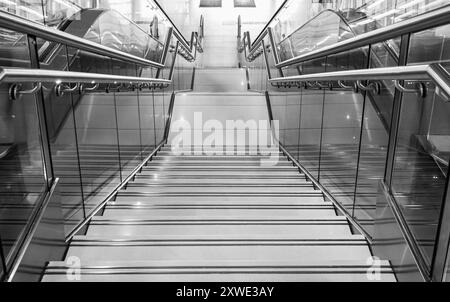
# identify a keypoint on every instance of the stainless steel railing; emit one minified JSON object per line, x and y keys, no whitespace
{"x":433,"y":72}
{"x":407,"y":79}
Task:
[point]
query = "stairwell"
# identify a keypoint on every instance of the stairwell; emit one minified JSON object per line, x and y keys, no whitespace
{"x":219,"y":217}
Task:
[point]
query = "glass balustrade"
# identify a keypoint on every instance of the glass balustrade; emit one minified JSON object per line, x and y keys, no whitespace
{"x":342,"y":135}
{"x":96,"y":137}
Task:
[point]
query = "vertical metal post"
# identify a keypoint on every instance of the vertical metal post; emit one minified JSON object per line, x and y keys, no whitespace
{"x":193,"y":78}
{"x":395,"y":117}
{"x":2,"y":259}
{"x":269,"y":106}
{"x":138,"y":99}
{"x":239,"y":35}
{"x":169,"y":117}
{"x":266,"y":60}
{"x":321,"y":129}
{"x":118,"y":137}
{"x":249,"y":44}
{"x":165,"y":50}
{"x":443,"y":238}
{"x":154,"y":117}
{"x":41,"y":113}
{"x":172,"y":68}
{"x":276,"y":56}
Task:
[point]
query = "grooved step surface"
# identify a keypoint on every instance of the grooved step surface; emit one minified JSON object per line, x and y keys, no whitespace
{"x":219,"y":218}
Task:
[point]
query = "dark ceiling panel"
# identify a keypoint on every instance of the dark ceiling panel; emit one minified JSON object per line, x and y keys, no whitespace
{"x":244,"y":3}
{"x":210,"y":3}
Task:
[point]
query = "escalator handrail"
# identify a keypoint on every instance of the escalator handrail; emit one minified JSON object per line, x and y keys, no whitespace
{"x":343,"y":20}
{"x":419,"y":23}
{"x":422,"y":22}
{"x":433,"y":72}
{"x":18,"y":24}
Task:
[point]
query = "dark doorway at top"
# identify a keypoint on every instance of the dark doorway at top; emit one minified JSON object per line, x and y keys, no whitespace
{"x":210,"y":3}
{"x":244,"y":3}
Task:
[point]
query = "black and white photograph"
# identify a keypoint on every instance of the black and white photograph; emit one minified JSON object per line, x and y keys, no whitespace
{"x":215,"y":149}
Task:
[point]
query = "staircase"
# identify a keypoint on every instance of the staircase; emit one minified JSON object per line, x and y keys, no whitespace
{"x":196,"y":216}
{"x":218,"y":218}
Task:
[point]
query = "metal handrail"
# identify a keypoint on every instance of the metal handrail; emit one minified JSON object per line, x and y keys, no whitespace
{"x":15,"y":23}
{"x":434,"y":72}
{"x":25,"y":75}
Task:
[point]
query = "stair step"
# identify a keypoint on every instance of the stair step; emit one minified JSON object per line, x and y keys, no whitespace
{"x":101,"y":249}
{"x":231,"y":271}
{"x":212,"y":213}
{"x":223,"y":193}
{"x":220,"y":172}
{"x":233,"y":168}
{"x":215,"y":188}
{"x":157,"y":181}
{"x":310,"y":197}
{"x":230,"y":202}
{"x":298,"y":228}
{"x":215,"y":163}
{"x":214,"y":158}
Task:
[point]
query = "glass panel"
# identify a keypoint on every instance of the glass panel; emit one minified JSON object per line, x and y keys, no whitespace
{"x":14,"y":49}
{"x":63,"y":139}
{"x":447,"y":268}
{"x":375,"y":14}
{"x":421,"y":165}
{"x":326,"y":29}
{"x":127,"y":110}
{"x":342,"y":117}
{"x":96,"y":129}
{"x":431,"y":46}
{"x":30,"y":10}
{"x":160,"y":113}
{"x":2,"y":260}
{"x":147,"y":120}
{"x":374,"y":141}
{"x":292,"y":116}
{"x":21,"y":164}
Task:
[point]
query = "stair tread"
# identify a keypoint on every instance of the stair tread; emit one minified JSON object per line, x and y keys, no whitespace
{"x":325,"y":263}
{"x":195,"y":217}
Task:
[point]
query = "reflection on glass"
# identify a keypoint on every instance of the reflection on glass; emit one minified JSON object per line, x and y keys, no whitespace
{"x":342,"y":116}
{"x":326,"y":29}
{"x":147,"y":120}
{"x":49,"y":12}
{"x":374,"y":14}
{"x":421,"y":165}
{"x":22,"y":173}
{"x":447,"y":268}
{"x":21,"y":164}
{"x":63,"y":138}
{"x":127,"y":110}
{"x":431,"y":46}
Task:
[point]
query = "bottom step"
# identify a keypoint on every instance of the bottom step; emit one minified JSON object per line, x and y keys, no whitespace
{"x":234,"y":271}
